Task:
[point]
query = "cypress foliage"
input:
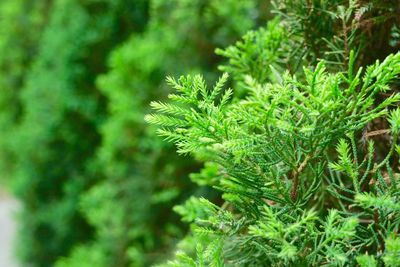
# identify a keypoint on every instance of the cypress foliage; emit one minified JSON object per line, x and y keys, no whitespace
{"x":306,"y":153}
{"x":144,"y":178}
{"x":56,"y":134}
{"x":21,"y":25}
{"x":300,"y":158}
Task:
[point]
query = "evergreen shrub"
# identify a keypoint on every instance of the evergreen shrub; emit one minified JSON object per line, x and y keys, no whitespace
{"x":304,"y":148}
{"x":131,"y":207}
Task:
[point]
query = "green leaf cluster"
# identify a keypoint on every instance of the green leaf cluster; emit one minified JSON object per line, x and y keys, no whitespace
{"x":307,"y":158}
{"x":130,"y":205}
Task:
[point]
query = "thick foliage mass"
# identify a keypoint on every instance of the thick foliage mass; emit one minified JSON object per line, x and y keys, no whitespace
{"x":94,"y":182}
{"x":304,"y":181}
{"x":21,"y":25}
{"x":51,"y":52}
{"x":144,"y":178}
{"x":301,"y":154}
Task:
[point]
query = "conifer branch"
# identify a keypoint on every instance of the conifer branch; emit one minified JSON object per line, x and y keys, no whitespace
{"x":295,"y":177}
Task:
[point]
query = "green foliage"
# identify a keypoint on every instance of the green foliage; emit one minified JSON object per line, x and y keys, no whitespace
{"x":256,"y":52}
{"x":299,"y":187}
{"x":277,"y":137}
{"x":366,"y":261}
{"x":21,"y":25}
{"x":53,"y":110}
{"x":392,"y":252}
{"x":331,"y":29}
{"x":144,"y":177}
{"x":301,"y":155}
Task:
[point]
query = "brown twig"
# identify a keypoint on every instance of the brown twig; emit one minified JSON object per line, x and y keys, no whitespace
{"x":376,"y":226}
{"x":295,"y":177}
{"x":377,"y":132}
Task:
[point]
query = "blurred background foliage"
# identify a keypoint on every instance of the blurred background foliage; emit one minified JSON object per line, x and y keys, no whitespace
{"x":97,"y":187}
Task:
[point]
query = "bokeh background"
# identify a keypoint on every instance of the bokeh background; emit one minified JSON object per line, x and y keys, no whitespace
{"x":84,"y":180}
